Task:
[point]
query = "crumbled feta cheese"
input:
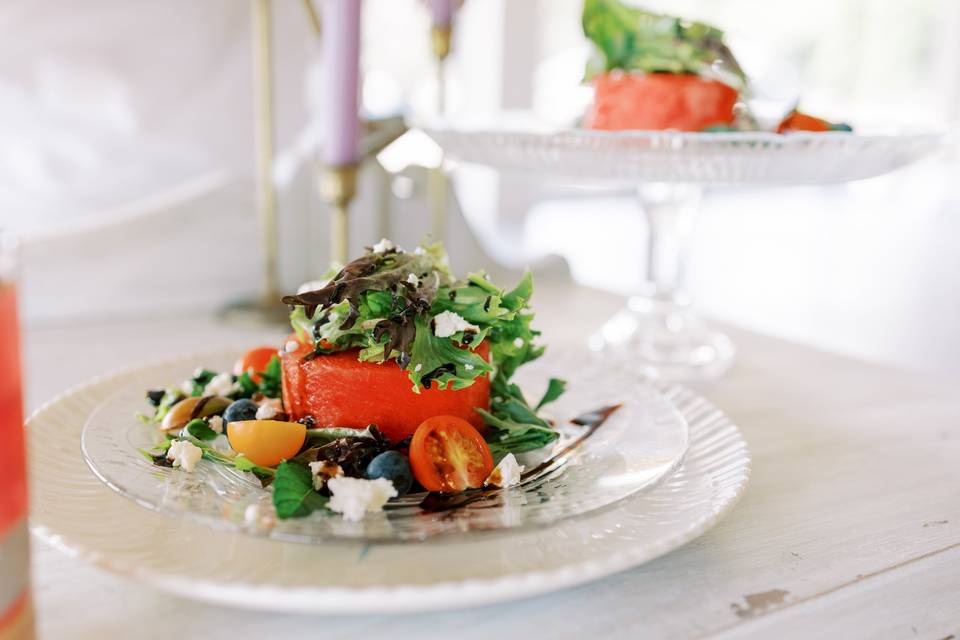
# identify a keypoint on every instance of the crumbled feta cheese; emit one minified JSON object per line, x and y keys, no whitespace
{"x":257,"y":515}
{"x":215,"y":423}
{"x":266,"y":412}
{"x":418,"y":367}
{"x":419,"y":251}
{"x":413,"y":279}
{"x":468,"y":367}
{"x":251,"y":514}
{"x":322,"y":471}
{"x":353,"y":497}
{"x":291,"y":346}
{"x":312,"y":285}
{"x":198,"y":372}
{"x":184,"y":454}
{"x":506,"y":474}
{"x":448,"y":323}
{"x":221,"y":385}
{"x":518,"y":343}
{"x":383,"y":246}
{"x":187,"y":387}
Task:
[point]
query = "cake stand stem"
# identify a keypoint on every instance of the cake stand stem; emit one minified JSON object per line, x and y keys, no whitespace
{"x":657,"y":333}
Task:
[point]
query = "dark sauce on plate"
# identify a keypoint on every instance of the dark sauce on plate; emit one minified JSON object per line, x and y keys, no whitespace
{"x":592,"y":420}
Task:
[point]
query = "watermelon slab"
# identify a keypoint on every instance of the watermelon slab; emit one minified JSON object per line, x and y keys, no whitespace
{"x":340,"y":391}
{"x":659,"y":101}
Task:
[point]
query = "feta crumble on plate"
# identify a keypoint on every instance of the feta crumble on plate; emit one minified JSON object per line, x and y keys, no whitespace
{"x":448,"y":323}
{"x":354,"y":497}
{"x":383,"y":246}
{"x":505,"y":474}
{"x":215,"y":423}
{"x":322,"y":471}
{"x":221,"y":385}
{"x":184,"y":454}
{"x":266,"y":412}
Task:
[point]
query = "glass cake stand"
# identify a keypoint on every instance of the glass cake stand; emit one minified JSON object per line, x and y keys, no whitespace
{"x":658,"y":331}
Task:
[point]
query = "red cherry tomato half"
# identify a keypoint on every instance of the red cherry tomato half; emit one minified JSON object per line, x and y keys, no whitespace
{"x":255,"y":359}
{"x":448,"y":455}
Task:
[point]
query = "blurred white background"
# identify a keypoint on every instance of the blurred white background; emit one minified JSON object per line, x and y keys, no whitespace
{"x":126,"y":160}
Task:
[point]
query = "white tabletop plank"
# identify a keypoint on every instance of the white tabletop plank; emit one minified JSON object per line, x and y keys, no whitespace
{"x":851,"y":522}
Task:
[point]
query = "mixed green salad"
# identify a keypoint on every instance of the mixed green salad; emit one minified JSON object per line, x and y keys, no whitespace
{"x":411,"y":333}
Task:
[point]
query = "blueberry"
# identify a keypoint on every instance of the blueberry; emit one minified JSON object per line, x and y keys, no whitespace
{"x":239,"y":410}
{"x":393,"y":466}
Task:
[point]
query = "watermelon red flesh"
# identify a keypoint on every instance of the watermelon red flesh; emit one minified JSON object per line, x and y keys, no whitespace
{"x":657,"y":101}
{"x":340,"y":391}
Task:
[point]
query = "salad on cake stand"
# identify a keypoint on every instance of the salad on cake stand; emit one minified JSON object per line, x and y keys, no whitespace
{"x":673,"y":112}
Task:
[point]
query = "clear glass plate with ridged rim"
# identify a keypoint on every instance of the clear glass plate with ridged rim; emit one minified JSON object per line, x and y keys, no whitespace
{"x":521,"y":141}
{"x":638,"y":445}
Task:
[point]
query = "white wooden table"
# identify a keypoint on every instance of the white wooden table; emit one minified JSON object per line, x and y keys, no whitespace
{"x":850,"y":528}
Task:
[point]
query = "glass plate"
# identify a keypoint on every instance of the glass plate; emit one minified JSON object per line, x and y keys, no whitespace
{"x":521,"y":142}
{"x":639,"y":445}
{"x":78,"y":514}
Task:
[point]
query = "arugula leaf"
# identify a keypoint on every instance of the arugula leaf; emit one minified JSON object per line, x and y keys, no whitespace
{"x":199,"y":429}
{"x":293,"y":493}
{"x":555,"y":389}
{"x":440,"y":359}
{"x":270,"y":379}
{"x":243,"y":463}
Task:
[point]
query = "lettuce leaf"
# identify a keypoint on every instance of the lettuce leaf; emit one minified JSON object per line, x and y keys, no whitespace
{"x":632,"y":39}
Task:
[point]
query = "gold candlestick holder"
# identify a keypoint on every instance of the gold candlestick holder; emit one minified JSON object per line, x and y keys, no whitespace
{"x":337,"y":187}
{"x":440,"y":38}
{"x":267,"y":308}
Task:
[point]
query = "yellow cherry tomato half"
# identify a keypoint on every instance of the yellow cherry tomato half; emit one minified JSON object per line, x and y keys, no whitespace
{"x":266,"y":442}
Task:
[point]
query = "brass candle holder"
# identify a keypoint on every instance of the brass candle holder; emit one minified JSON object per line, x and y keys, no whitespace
{"x":267,"y":308}
{"x":337,"y":187}
{"x":440,"y":38}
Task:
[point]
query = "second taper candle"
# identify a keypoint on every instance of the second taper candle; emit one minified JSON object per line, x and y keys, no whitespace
{"x":341,"y":60}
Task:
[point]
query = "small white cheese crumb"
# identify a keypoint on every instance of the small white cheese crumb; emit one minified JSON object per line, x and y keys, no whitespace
{"x":506,"y":474}
{"x":322,"y":471}
{"x":383,"y":246}
{"x":291,"y":346}
{"x":221,"y":385}
{"x":518,"y":343}
{"x":215,"y":423}
{"x":419,"y":251}
{"x":448,"y":323}
{"x":418,"y":367}
{"x":184,"y":454}
{"x":468,"y":367}
{"x":354,"y":497}
{"x":198,"y":372}
{"x":266,"y":412}
{"x":256,"y":515}
{"x":413,"y":279}
{"x":186,"y":387}
{"x":312,"y":285}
